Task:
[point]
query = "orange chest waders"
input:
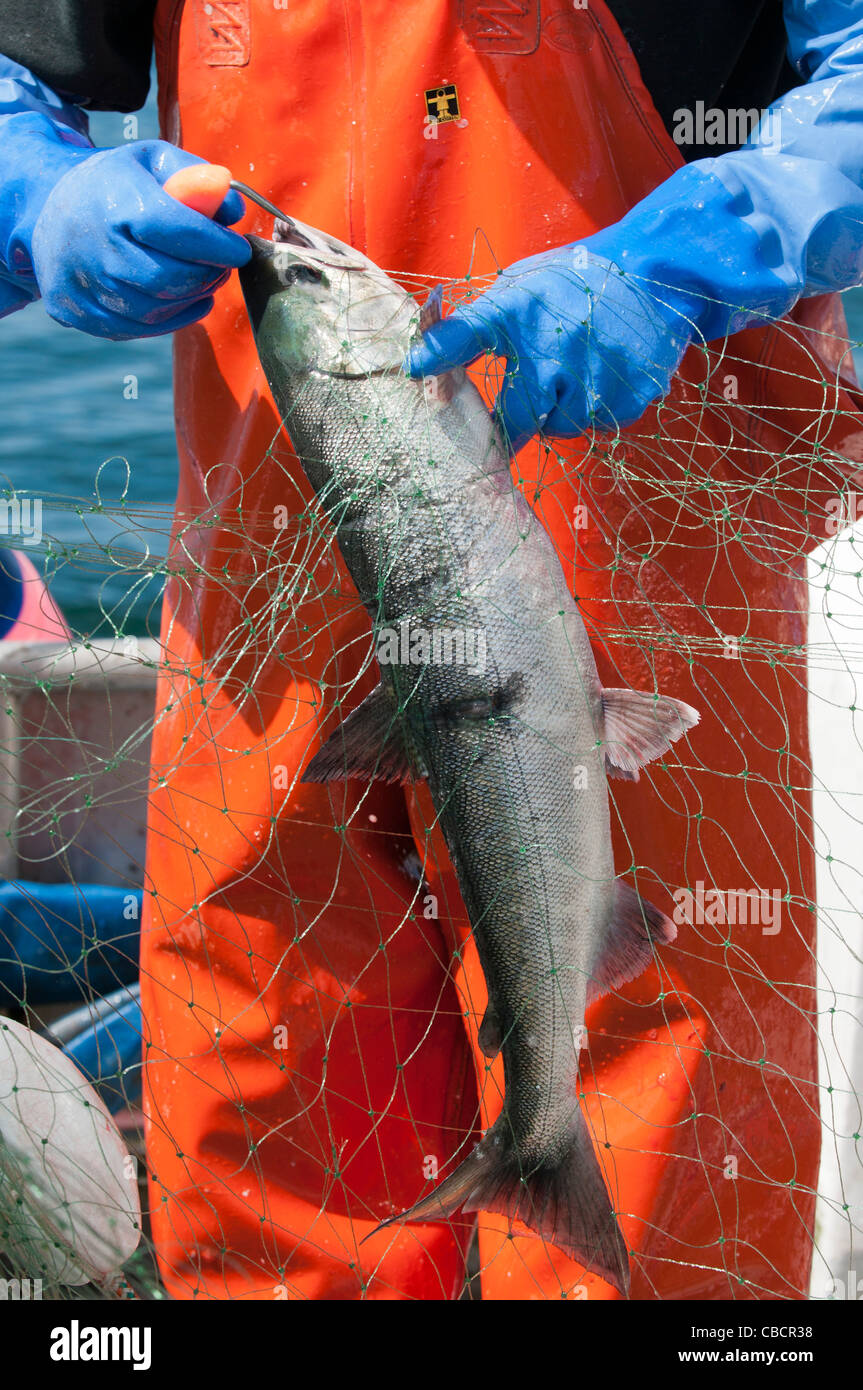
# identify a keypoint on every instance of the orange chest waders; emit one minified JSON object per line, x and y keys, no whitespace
{"x":311,"y":1007}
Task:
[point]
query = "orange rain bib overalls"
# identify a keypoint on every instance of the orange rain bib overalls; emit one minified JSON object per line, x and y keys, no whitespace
{"x":310,"y":991}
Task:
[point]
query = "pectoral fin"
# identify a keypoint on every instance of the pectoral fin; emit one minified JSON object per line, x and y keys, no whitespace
{"x":444,"y":386}
{"x":432,"y":310}
{"x":369,"y":744}
{"x":638,"y":727}
{"x":635,"y":927}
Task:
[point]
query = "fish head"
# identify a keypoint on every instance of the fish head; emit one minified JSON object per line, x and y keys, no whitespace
{"x":317,"y":305}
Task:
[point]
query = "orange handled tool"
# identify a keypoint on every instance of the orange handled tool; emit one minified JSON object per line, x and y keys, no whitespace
{"x":203,"y":187}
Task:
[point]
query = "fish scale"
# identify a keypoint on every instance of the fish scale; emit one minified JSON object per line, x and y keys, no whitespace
{"x":523,"y":912}
{"x":515,"y":749}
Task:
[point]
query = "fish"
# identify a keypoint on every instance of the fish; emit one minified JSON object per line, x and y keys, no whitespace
{"x":515,"y":743}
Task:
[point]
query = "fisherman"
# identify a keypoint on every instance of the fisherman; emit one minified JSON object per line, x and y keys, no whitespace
{"x":308,"y":1067}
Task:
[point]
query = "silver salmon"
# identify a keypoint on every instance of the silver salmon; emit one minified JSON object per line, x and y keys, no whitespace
{"x":489,"y":690}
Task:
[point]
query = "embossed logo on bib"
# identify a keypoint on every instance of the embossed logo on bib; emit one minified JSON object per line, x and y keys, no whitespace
{"x":223,"y":32}
{"x":501,"y":26}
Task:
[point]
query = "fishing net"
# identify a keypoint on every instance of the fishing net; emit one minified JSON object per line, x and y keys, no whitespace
{"x":714,"y":553}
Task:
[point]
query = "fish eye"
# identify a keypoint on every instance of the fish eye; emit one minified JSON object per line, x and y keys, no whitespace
{"x":300,"y":274}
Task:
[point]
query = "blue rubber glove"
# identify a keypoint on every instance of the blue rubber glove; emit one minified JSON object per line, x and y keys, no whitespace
{"x":593,"y":333}
{"x":92,"y":232}
{"x":586,"y":345}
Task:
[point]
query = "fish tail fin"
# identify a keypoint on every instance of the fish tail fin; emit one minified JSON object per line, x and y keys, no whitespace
{"x":561,"y":1197}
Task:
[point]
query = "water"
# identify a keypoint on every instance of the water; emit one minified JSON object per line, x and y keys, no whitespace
{"x":75,"y":435}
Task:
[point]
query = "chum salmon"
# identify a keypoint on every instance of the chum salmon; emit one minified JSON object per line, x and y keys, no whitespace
{"x":506,"y":719}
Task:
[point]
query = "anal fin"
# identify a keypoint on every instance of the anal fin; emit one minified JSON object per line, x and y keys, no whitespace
{"x":635,"y":927}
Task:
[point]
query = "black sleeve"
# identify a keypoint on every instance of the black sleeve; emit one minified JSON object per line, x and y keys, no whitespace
{"x":730,"y":54}
{"x":95,"y":53}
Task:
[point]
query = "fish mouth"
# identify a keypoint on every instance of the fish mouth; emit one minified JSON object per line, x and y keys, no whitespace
{"x":287,"y":233}
{"x":308,"y":243}
{"x":317,"y":248}
{"x":369,"y":318}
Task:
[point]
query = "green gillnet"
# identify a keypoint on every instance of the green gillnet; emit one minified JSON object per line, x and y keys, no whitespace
{"x":685,"y":538}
